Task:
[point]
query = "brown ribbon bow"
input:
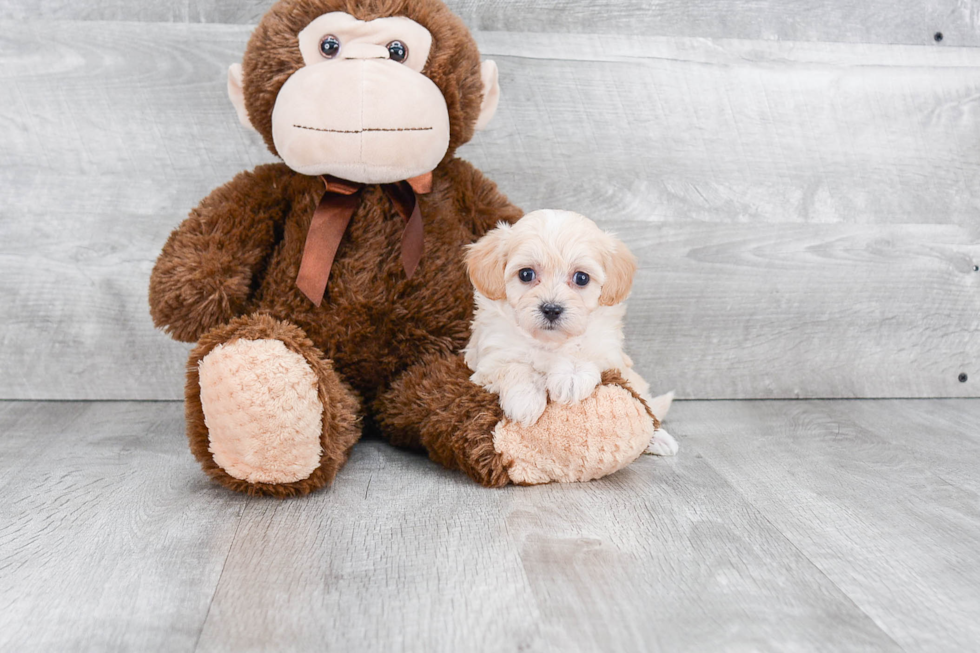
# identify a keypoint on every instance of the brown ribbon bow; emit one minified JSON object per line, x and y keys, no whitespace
{"x":334,"y":213}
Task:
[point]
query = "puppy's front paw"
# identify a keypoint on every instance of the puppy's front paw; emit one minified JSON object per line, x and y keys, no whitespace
{"x":662,"y":444}
{"x":524,"y":403}
{"x":572,"y":385}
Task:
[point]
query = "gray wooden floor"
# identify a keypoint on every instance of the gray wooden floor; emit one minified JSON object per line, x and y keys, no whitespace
{"x":818,"y":525}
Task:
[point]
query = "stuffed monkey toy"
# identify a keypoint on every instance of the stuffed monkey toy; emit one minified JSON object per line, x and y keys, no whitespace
{"x":328,"y":295}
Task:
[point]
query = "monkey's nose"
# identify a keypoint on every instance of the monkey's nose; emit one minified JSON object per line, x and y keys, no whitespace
{"x":364,"y":51}
{"x":551,"y":312}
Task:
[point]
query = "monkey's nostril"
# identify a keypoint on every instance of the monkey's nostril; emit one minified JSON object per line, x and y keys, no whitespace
{"x":551,"y":312}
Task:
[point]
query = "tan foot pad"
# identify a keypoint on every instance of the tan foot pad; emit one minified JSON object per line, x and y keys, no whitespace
{"x":579,"y":442}
{"x":262,"y":411}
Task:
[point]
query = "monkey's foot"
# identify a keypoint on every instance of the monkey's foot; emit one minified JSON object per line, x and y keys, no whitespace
{"x":266,"y":412}
{"x":262,"y":411}
{"x":577,"y":442}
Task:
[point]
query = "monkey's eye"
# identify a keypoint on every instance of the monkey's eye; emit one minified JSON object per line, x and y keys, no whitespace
{"x":329,"y":46}
{"x":526,"y":275}
{"x":581,"y":279}
{"x":397,"y":51}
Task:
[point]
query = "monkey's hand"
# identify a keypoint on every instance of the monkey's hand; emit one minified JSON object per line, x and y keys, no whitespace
{"x":577,"y":442}
{"x":203,"y":277}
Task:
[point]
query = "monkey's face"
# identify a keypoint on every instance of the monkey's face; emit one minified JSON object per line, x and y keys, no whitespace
{"x":361,"y":107}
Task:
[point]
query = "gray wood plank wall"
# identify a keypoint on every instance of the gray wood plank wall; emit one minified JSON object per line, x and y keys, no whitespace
{"x":912,"y":22}
{"x":801,"y":182}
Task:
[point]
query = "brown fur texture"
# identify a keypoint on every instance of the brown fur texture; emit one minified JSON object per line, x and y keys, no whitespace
{"x":384,"y":347}
{"x":238,"y":253}
{"x":433,"y":406}
{"x":208,"y":270}
{"x":374,"y":323}
{"x":341,"y":406}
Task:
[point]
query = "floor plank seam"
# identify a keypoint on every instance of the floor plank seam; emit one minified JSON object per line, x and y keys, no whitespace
{"x":796,"y":548}
{"x":224,"y":565}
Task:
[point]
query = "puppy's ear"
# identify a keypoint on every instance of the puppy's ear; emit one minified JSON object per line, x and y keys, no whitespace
{"x":485,"y":261}
{"x":620,"y":268}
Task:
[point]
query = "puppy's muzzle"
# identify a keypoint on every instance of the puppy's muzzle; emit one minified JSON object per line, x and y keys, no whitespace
{"x":551,"y":312}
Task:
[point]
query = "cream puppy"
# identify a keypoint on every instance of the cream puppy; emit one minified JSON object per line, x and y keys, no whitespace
{"x":549,"y":312}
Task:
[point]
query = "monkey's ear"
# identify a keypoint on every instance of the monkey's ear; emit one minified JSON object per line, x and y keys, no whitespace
{"x":491,"y":94}
{"x":236,"y":93}
{"x":485,"y":262}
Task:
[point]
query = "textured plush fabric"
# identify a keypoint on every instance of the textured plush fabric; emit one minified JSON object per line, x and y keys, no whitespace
{"x":262,"y":411}
{"x":340,"y":427}
{"x":581,"y":442}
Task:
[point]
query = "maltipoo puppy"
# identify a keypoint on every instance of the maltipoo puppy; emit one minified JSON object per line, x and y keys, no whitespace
{"x":549,"y":312}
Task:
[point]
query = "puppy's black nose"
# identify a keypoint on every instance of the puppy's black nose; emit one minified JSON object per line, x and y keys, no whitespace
{"x":551,"y":312}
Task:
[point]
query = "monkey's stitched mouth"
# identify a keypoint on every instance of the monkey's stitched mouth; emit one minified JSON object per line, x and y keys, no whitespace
{"x":369,"y":129}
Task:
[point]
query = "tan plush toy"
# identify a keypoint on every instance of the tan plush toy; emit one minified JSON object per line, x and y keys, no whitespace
{"x":328,"y":294}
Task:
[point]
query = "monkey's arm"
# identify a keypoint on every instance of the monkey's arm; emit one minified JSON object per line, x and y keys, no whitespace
{"x":204,"y":274}
{"x":480,"y":201}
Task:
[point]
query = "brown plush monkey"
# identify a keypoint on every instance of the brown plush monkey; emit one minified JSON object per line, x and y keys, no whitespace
{"x":326,"y":296}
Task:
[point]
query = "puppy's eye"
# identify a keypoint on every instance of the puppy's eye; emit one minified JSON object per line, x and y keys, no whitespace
{"x":397,"y":51}
{"x":526,"y":275}
{"x":581,"y":279}
{"x":329,"y":46}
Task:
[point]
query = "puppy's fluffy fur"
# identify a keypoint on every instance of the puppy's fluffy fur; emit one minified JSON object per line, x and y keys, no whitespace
{"x":549,"y":311}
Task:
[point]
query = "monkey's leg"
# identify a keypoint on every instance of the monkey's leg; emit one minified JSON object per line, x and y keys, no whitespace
{"x":266,"y":412}
{"x":435,"y":406}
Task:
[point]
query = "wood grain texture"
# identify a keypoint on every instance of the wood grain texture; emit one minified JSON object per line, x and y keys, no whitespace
{"x":805,"y":214}
{"x":401,"y":555}
{"x":803,"y":526}
{"x":110,"y":536}
{"x":792,"y":311}
{"x":857,"y":499}
{"x":912,"y":22}
{"x":686,"y":130}
{"x":942,"y":435}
